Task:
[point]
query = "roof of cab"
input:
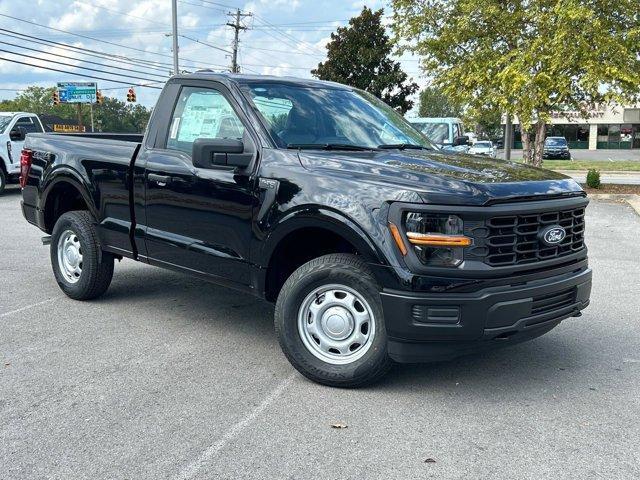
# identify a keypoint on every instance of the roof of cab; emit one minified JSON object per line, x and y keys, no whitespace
{"x":246,"y":79}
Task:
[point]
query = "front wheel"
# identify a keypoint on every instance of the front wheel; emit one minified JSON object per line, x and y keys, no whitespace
{"x":3,"y":181}
{"x":81,"y":269}
{"x":330,"y":324}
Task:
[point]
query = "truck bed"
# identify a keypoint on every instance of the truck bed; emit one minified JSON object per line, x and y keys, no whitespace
{"x":96,"y":164}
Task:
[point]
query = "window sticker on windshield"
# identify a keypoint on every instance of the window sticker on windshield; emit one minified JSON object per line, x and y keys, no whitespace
{"x":174,"y":128}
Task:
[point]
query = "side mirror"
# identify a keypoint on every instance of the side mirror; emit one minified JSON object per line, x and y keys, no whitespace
{"x":460,"y":141}
{"x":220,"y":152}
{"x":17,"y":134}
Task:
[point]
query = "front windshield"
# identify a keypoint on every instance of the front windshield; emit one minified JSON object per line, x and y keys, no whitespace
{"x":556,"y":142}
{"x":436,"y":132}
{"x":304,"y":117}
{"x":483,"y":144}
{"x":5,"y":120}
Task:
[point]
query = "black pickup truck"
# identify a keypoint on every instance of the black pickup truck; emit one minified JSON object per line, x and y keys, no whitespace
{"x":374,"y":245}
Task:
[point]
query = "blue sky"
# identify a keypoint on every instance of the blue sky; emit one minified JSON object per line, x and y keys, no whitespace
{"x":284,"y":37}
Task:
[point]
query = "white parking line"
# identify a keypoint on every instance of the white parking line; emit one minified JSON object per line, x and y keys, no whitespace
{"x":18,"y":310}
{"x":190,"y":470}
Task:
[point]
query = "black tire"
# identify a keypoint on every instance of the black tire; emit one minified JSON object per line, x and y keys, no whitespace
{"x":97,"y":266}
{"x":3,"y":180}
{"x":342,"y":269}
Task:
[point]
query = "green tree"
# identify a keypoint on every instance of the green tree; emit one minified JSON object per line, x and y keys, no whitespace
{"x":434,"y":103}
{"x":360,"y":55}
{"x":111,"y":116}
{"x":117,"y":116}
{"x":526,"y":57}
{"x":38,"y":100}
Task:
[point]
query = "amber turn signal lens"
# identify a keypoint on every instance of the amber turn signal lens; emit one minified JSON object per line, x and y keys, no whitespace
{"x":398,"y":238}
{"x":438,"y":240}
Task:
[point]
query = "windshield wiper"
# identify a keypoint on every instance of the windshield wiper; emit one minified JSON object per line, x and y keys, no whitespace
{"x":329,"y":146}
{"x":402,"y":146}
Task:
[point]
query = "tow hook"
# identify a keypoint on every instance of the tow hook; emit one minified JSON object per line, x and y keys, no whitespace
{"x":46,"y":240}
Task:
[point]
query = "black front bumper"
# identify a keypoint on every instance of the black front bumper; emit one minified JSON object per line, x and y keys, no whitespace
{"x":440,"y":326}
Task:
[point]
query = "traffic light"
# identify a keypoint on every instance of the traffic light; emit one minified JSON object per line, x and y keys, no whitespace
{"x":56,"y":97}
{"x":131,"y":95}
{"x":99,"y":98}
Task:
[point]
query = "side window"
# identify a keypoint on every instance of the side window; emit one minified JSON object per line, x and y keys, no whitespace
{"x":30,"y":124}
{"x":202,"y":113}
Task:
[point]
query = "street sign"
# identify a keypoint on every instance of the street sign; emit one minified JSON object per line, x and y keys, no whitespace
{"x":77,"y":92}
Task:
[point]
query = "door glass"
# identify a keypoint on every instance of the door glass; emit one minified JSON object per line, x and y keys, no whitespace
{"x":202,"y":113}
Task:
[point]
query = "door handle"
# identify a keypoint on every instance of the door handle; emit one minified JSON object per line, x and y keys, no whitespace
{"x":161,"y":180}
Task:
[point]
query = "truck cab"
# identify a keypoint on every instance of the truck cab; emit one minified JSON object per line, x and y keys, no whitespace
{"x":14,"y":126}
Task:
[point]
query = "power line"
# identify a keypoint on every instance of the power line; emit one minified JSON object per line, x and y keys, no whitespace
{"x":152,"y":65}
{"x":80,"y":60}
{"x":148,"y":85}
{"x":286,"y":35}
{"x":97,"y":39}
{"x":83,"y":68}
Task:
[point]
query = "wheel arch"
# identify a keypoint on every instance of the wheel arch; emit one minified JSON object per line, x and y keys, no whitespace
{"x":64,"y":193}
{"x":323,"y":233}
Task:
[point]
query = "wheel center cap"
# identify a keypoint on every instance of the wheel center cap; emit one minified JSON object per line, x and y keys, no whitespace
{"x":337,"y":323}
{"x":72,"y":256}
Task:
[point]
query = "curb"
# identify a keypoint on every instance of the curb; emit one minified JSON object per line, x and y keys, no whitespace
{"x":602,"y":172}
{"x":632,"y":200}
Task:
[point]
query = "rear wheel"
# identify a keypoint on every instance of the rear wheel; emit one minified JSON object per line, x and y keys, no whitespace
{"x":82,"y":271}
{"x":330,"y":324}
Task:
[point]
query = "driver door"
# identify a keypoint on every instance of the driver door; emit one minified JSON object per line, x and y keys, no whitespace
{"x":199,"y":219}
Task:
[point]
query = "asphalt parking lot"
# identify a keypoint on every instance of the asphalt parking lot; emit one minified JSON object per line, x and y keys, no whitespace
{"x":168,"y":377}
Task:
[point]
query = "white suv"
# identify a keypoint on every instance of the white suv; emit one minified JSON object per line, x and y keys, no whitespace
{"x":13,"y":128}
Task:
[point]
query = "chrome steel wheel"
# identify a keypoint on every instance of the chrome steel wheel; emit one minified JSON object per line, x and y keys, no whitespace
{"x":70,"y":256}
{"x":336,"y":324}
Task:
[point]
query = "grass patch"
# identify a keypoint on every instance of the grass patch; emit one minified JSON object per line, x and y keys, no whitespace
{"x":602,"y":165}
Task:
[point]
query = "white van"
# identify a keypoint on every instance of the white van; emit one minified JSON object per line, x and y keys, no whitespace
{"x":440,"y":130}
{"x":13,"y":128}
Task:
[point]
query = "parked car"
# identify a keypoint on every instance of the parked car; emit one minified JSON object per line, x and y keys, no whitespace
{"x":374,"y":245}
{"x":441,"y":131}
{"x":556,"y":147}
{"x":483,"y":147}
{"x":13,"y":128}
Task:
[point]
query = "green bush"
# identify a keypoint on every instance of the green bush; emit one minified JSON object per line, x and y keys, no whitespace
{"x":593,"y":178}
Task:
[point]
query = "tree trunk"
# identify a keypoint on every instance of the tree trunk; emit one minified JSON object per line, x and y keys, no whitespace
{"x":526,"y":145}
{"x":538,"y":145}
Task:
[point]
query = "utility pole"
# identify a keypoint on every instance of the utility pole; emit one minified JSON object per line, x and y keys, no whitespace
{"x":79,"y":112}
{"x":237,"y":27}
{"x":174,"y":24}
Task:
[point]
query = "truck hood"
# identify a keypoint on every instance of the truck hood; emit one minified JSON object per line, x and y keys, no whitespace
{"x":439,"y":177}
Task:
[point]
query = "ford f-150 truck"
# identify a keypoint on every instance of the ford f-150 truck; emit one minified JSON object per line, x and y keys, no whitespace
{"x":374,"y":245}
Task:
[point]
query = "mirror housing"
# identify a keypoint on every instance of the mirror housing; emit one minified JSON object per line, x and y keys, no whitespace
{"x":220,"y":153}
{"x":457,"y":141}
{"x":17,"y":134}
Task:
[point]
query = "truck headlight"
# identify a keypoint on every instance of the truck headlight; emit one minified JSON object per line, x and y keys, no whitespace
{"x":436,"y":239}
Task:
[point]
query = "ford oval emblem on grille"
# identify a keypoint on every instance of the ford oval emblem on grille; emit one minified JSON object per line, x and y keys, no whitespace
{"x":552,"y":235}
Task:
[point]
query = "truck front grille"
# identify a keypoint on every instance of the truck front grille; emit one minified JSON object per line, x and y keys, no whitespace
{"x":513,"y":239}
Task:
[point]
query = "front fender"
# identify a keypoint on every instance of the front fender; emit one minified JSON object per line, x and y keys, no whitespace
{"x":368,"y":243}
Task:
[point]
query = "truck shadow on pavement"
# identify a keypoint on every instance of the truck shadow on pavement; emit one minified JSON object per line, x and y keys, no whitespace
{"x":546,"y":363}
